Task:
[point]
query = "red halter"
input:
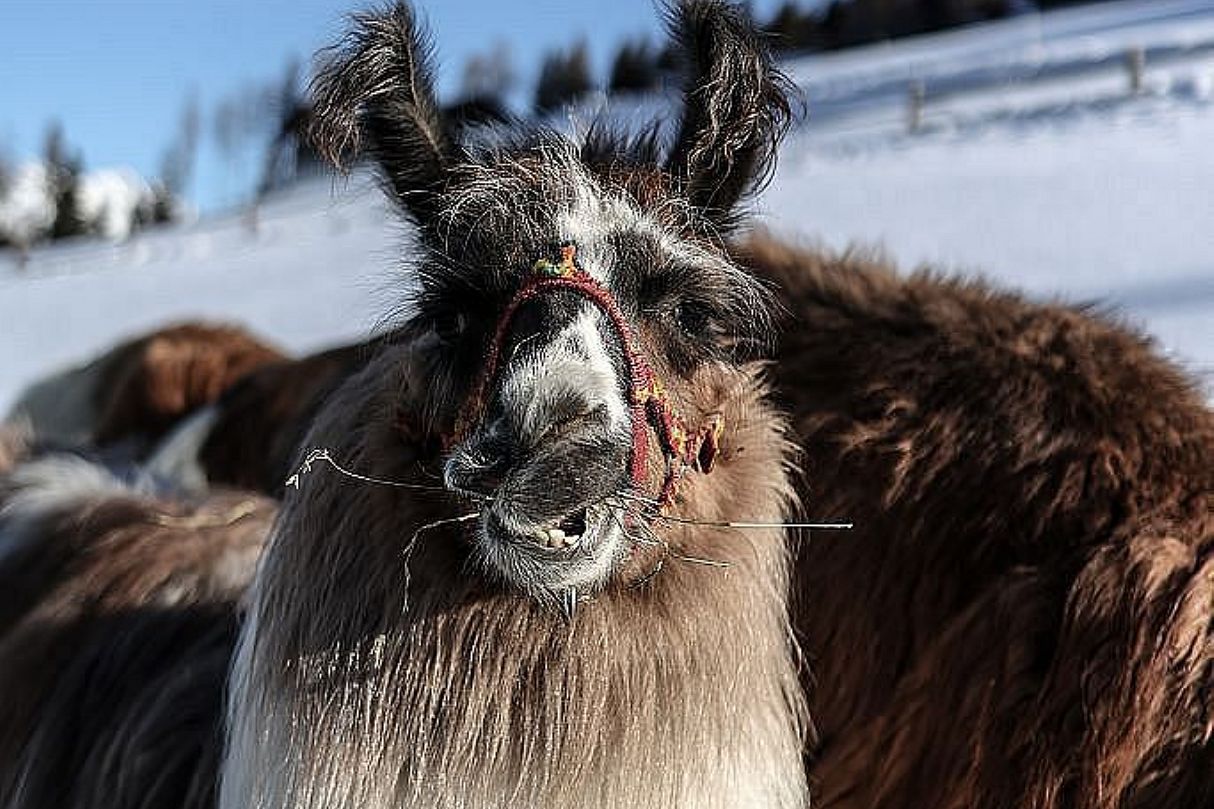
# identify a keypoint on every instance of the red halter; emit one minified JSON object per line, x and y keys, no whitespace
{"x":648,"y":402}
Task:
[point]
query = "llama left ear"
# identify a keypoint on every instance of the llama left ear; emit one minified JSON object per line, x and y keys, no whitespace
{"x":376,"y":96}
{"x":736,"y":108}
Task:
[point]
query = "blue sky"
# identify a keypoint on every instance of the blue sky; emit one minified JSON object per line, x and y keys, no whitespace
{"x":116,"y":73}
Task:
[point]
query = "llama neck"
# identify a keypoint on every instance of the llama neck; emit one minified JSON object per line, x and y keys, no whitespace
{"x":368,"y":679}
{"x":497,"y":704}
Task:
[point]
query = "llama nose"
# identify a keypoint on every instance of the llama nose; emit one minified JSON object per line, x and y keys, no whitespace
{"x":479,"y":467}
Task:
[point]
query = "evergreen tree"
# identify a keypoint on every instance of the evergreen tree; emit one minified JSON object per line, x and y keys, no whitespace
{"x":669,"y":60}
{"x":564,"y":78}
{"x":290,"y":154}
{"x":635,"y":69}
{"x":6,"y":179}
{"x":177,"y":163}
{"x":62,"y":177}
{"x":795,"y":29}
{"x":488,"y":78}
{"x":244,"y":122}
{"x":835,"y":24}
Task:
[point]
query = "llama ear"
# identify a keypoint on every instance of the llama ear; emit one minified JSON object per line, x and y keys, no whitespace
{"x":736,"y":108}
{"x":376,"y":96}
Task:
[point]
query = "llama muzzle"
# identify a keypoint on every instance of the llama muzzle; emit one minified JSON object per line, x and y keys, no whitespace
{"x":648,"y":403}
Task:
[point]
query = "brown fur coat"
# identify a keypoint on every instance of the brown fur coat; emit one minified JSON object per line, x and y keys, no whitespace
{"x":1023,"y":614}
{"x":137,"y":391}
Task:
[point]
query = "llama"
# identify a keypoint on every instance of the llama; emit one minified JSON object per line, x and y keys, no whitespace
{"x":252,"y":438}
{"x":249,"y":436}
{"x":1024,"y":613}
{"x":116,"y":630}
{"x":198,"y":403}
{"x":519,"y":603}
{"x":572,"y":298}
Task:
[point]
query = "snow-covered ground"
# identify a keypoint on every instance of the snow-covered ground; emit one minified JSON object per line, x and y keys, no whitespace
{"x":1033,"y":165}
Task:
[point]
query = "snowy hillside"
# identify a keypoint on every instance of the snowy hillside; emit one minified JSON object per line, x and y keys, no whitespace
{"x":1032,"y":164}
{"x":311,"y":271}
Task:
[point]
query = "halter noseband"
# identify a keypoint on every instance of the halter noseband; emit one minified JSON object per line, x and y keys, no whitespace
{"x":648,"y":402}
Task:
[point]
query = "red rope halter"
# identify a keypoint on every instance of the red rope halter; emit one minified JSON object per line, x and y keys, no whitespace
{"x":648,"y":402}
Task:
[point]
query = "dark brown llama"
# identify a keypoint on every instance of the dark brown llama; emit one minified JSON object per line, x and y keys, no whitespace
{"x":253,"y":439}
{"x":1024,"y":613}
{"x":250,"y":436}
{"x":529,"y":624}
{"x":196,"y":403}
{"x":136,"y":392}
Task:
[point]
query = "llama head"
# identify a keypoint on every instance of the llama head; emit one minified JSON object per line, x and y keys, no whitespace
{"x":546,"y":385}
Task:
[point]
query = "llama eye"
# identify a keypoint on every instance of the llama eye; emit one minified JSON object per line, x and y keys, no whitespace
{"x":449,"y":326}
{"x":692,"y":317}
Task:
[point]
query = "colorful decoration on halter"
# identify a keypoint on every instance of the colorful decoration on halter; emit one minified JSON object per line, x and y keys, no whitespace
{"x":565,"y":268}
{"x":648,"y":401}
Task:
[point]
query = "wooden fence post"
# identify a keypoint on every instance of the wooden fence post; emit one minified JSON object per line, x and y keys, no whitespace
{"x":916,"y":97}
{"x":1136,"y":64}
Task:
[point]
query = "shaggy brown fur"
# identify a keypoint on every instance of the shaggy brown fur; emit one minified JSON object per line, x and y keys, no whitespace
{"x":140,"y":390}
{"x":14,"y":442}
{"x":262,"y":419}
{"x":156,"y":380}
{"x":116,"y":628}
{"x":1023,"y":615}
{"x":137,"y":391}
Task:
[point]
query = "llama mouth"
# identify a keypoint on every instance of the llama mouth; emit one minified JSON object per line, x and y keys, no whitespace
{"x":565,"y":534}
{"x":576,"y":552}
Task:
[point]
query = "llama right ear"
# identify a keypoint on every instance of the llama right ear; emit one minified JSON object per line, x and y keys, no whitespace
{"x":376,"y":96}
{"x":736,"y":108}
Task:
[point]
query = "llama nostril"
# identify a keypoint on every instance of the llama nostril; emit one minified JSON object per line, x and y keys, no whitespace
{"x":473,"y":475}
{"x":479,"y":468}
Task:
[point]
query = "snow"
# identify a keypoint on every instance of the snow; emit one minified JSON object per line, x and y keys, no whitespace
{"x":26,"y":208}
{"x":109,"y":199}
{"x":1075,"y":208}
{"x":1033,"y":166}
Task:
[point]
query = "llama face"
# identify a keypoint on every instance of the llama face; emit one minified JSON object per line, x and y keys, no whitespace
{"x":555,"y":441}
{"x":550,"y":452}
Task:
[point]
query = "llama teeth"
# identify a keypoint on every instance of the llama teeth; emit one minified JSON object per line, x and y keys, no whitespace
{"x":547,"y":537}
{"x":554,"y":538}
